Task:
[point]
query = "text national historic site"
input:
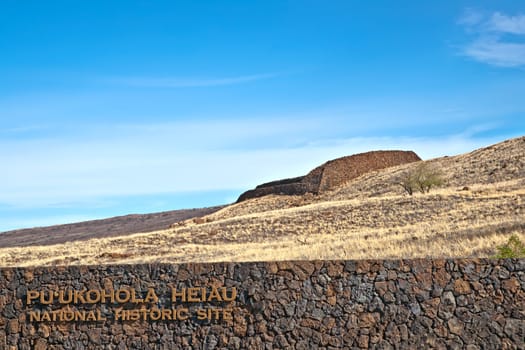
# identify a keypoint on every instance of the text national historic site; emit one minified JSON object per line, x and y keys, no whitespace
{"x":131,"y":305}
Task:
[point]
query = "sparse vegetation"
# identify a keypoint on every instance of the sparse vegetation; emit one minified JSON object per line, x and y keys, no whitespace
{"x":445,"y":223}
{"x":422,"y":178}
{"x":368,"y":218}
{"x":514,"y":248}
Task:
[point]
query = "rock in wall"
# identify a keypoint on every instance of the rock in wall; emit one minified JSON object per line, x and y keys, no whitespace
{"x":333,"y":173}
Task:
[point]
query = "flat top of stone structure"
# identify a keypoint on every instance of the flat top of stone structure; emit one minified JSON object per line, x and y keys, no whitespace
{"x":333,"y":173}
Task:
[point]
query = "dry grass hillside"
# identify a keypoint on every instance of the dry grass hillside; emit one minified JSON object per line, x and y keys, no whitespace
{"x":480,"y":204}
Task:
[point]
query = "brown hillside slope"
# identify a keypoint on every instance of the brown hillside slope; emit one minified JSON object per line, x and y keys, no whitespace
{"x":368,"y":217}
{"x":116,"y":226}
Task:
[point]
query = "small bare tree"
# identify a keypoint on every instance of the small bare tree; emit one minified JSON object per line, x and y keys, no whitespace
{"x":422,"y":178}
{"x":407,"y":182}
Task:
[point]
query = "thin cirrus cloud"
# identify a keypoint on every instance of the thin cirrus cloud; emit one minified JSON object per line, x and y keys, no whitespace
{"x":179,"y":82}
{"x":137,"y":162}
{"x":508,"y":24}
{"x":498,"y":39}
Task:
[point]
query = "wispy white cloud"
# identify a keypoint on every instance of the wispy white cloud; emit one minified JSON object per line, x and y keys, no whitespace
{"x":148,"y":162}
{"x":180,"y":82}
{"x":471,"y":17}
{"x":499,"y":22}
{"x":494,"y":51}
{"x":498,"y":39}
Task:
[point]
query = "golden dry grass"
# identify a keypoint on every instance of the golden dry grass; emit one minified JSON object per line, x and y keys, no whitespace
{"x":370,"y":217}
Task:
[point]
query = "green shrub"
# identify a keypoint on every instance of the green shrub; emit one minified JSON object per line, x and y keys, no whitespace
{"x":422,"y":178}
{"x":514,"y":248}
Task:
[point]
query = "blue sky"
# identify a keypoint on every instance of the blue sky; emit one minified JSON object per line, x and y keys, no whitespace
{"x":110,"y":108}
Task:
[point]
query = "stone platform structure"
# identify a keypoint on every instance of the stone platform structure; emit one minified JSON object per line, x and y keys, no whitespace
{"x":333,"y":174}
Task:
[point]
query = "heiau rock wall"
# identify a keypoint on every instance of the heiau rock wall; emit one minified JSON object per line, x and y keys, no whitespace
{"x":367,"y":304}
{"x":333,"y":173}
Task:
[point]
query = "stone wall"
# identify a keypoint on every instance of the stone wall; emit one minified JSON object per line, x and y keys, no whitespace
{"x":333,"y":174}
{"x":391,"y":304}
